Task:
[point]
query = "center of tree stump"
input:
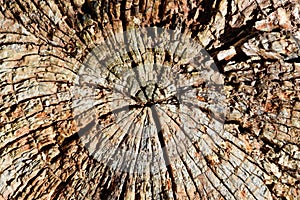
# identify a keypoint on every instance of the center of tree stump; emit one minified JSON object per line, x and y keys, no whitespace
{"x":144,"y":97}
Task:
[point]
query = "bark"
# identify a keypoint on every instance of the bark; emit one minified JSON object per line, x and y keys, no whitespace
{"x":255,"y":45}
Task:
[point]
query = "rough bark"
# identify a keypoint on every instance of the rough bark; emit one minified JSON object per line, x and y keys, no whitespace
{"x":255,"y":45}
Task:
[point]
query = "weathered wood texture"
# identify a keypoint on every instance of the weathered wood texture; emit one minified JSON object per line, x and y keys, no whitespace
{"x":255,"y":44}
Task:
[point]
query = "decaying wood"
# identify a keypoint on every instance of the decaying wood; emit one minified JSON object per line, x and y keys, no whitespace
{"x":255,"y":45}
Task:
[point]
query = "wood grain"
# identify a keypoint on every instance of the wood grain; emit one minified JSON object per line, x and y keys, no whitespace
{"x":255,"y":45}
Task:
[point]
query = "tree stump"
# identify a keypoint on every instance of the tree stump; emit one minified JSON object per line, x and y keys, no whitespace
{"x":49,"y":149}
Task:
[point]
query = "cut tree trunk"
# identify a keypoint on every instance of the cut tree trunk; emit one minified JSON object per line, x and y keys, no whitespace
{"x":255,"y":45}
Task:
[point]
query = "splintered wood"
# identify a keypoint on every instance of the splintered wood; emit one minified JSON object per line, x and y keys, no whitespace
{"x":145,"y":122}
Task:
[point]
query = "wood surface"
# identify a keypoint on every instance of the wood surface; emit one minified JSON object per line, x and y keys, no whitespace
{"x":255,"y":46}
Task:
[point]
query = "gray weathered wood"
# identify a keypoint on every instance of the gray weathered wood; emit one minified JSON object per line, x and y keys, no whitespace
{"x":255,"y":45}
